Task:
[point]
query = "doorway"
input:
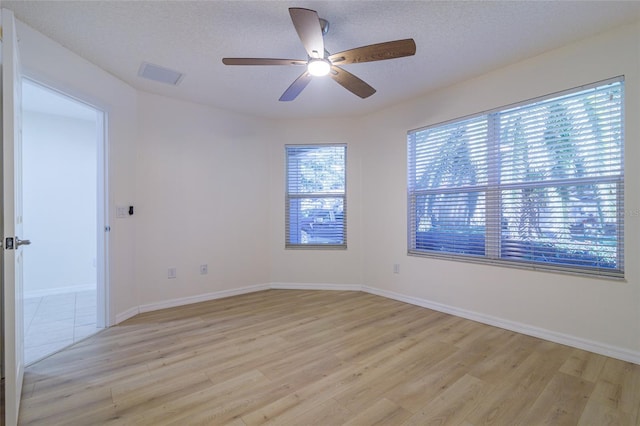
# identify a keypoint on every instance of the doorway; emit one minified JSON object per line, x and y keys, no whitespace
{"x":63,"y":195}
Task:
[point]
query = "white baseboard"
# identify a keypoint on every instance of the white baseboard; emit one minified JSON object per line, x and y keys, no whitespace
{"x":202,"y":298}
{"x":129,"y":313}
{"x":552,"y":336}
{"x":149,"y":307}
{"x":28,"y":294}
{"x":315,"y":286}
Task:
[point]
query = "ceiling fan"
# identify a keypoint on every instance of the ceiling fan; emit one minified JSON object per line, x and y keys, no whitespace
{"x":311,"y":30}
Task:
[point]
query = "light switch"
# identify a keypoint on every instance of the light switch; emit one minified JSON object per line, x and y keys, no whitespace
{"x":122,"y":211}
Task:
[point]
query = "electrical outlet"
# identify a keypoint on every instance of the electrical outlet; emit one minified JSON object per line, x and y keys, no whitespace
{"x":172,"y":273}
{"x":204,"y":269}
{"x":396,"y":268}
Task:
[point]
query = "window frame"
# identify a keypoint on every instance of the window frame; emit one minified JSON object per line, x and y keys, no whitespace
{"x":493,"y":191}
{"x":290,"y":196}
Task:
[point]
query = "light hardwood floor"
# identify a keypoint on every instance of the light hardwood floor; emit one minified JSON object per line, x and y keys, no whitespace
{"x":287,"y":357}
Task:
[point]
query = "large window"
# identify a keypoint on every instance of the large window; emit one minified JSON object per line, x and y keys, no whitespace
{"x":316,"y":202}
{"x":537,"y":185}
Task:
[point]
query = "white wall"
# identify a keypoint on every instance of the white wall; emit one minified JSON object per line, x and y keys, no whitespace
{"x":59,"y":187}
{"x":329,"y":266}
{"x":202,"y":198}
{"x":602,"y":313}
{"x":51,"y":64}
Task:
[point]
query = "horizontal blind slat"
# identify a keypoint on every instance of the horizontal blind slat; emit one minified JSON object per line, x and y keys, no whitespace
{"x":315,"y":198}
{"x":556,"y":166}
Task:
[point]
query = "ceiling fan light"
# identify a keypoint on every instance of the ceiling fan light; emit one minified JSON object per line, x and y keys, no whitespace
{"x":318,"y":67}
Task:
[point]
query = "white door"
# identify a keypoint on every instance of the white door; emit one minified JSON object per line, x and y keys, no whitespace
{"x":12,"y":219}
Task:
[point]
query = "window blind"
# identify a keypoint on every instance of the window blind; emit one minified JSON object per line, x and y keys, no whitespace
{"x":315,"y":210}
{"x":539,"y":184}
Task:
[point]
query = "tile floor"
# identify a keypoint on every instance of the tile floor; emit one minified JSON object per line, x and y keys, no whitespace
{"x":54,"y":322}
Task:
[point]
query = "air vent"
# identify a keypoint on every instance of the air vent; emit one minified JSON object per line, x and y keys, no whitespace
{"x":160,"y":74}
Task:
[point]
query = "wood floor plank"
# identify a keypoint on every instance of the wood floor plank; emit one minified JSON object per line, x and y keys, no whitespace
{"x":382,"y":413}
{"x":616,"y":391}
{"x":452,"y":406}
{"x":155,"y":392}
{"x":521,"y":386}
{"x":416,"y":392}
{"x":584,"y":364}
{"x":561,"y":402}
{"x":327,"y":413}
{"x":210,"y":405}
{"x":413,"y":362}
{"x":294,"y":357}
{"x":287,"y":409}
{"x":89,"y":404}
{"x":506,"y":356}
{"x":596,"y":413}
{"x":87,"y":379}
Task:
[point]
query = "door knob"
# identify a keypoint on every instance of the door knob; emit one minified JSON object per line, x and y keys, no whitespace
{"x":20,"y":242}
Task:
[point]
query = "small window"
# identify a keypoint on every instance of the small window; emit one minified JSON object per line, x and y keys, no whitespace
{"x":538,"y":185}
{"x":316,"y":197}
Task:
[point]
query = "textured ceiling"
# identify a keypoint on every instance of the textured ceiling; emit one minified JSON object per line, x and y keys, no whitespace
{"x":455,"y":41}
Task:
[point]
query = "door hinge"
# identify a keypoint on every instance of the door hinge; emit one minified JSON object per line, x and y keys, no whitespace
{"x":107,"y":228}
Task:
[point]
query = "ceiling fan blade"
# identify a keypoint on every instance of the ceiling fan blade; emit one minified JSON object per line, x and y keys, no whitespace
{"x":351,"y":82}
{"x":296,"y":87}
{"x":375,"y":52}
{"x":262,"y":61}
{"x":307,"y":24}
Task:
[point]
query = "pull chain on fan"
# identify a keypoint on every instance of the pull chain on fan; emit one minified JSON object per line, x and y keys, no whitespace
{"x":311,"y":30}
